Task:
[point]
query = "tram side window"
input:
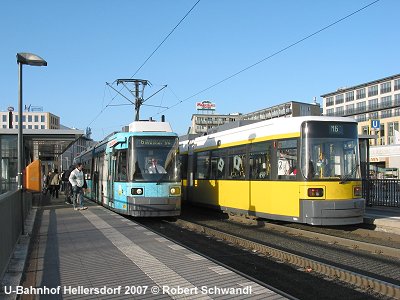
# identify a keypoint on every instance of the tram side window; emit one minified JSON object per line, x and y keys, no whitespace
{"x":237,"y":163}
{"x":87,"y":166}
{"x":203,"y":165}
{"x":260,"y":161}
{"x":96,"y":168}
{"x":218,"y":164}
{"x":121,"y":166}
{"x":287,"y":159}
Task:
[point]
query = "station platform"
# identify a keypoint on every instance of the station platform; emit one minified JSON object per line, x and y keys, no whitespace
{"x":386,"y":219}
{"x":98,"y":254}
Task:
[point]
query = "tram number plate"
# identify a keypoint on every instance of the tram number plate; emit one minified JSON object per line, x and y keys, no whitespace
{"x":336,"y":129}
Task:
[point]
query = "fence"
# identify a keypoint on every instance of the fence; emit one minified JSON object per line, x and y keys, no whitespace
{"x":382,"y":192}
{"x":11,"y":223}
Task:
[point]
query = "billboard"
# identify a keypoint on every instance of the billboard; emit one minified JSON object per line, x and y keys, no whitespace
{"x":205,"y":105}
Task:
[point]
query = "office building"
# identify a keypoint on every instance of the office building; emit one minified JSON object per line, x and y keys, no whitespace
{"x":376,"y":107}
{"x":30,"y":120}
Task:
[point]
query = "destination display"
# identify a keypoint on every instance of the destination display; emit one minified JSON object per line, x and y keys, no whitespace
{"x":336,"y":129}
{"x":152,"y":141}
{"x":316,"y":129}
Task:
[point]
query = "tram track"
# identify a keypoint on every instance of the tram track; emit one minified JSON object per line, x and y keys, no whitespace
{"x":362,"y":281}
{"x":328,"y":238}
{"x":371,"y":268}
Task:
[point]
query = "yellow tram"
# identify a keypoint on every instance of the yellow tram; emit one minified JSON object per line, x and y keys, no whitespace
{"x":299,"y":169}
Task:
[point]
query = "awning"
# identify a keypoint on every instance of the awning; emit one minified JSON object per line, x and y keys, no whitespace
{"x":46,"y":144}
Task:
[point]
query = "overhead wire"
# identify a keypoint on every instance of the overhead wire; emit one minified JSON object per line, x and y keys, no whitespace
{"x":104,"y":92}
{"x":270,"y":56}
{"x":147,"y":59}
{"x":155,"y":50}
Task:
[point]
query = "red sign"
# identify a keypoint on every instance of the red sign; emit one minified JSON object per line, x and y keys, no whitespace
{"x":205,"y":105}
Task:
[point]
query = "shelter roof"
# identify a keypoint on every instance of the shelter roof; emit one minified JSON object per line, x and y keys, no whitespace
{"x":46,"y":144}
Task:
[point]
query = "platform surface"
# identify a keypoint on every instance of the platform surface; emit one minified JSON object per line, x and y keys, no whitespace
{"x":98,"y":254}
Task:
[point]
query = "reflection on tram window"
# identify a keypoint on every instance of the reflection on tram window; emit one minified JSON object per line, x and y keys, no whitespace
{"x":260,"y":161}
{"x":287,"y":159}
{"x":237,"y":163}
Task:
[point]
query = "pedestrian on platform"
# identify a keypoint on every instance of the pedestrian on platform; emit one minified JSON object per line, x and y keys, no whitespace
{"x":54,"y":184}
{"x":77,"y":180}
{"x":67,"y":185}
{"x":46,"y":179}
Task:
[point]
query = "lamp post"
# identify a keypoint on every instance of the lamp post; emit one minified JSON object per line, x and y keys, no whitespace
{"x":31,"y":60}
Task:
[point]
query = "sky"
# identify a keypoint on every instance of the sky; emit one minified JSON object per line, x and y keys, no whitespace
{"x":93,"y":42}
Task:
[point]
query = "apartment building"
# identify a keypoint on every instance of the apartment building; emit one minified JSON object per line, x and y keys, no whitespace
{"x":376,"y":107}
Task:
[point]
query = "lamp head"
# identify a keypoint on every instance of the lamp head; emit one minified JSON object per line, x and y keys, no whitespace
{"x":30,"y":59}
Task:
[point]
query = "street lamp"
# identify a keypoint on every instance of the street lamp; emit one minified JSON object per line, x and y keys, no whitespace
{"x":31,"y":60}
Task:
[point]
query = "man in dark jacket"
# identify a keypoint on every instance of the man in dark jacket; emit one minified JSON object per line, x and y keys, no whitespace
{"x":67,"y":185}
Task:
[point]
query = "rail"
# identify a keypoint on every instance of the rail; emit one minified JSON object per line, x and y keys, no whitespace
{"x":346,"y":276}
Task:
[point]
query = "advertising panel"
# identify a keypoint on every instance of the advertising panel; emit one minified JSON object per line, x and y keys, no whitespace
{"x":205,"y":105}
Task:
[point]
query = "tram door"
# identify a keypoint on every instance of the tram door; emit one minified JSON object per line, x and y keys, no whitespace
{"x":98,"y":178}
{"x":105,"y":179}
{"x":111,"y":178}
{"x":189,"y":185}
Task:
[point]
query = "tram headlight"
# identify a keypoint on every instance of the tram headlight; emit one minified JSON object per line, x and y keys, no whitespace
{"x":357,"y":190}
{"x":137,"y":191}
{"x":174,"y":190}
{"x":315,"y":192}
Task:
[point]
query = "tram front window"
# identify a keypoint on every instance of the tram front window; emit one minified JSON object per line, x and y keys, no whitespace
{"x":329,"y":151}
{"x":154,"y":159}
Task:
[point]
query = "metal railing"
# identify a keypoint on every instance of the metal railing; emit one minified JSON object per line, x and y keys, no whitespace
{"x":11,"y":216}
{"x":382,"y":192}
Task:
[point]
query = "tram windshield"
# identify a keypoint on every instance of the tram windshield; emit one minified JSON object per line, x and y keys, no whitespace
{"x":154,"y":159}
{"x":329,"y":150}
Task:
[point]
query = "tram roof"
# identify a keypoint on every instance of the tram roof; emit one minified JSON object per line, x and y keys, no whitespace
{"x":288,"y":122}
{"x":46,"y":144}
{"x":274,"y":126}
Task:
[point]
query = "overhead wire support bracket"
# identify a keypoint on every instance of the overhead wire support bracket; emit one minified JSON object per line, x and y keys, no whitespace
{"x":137,"y":92}
{"x":164,"y":86}
{"x":118,"y":93}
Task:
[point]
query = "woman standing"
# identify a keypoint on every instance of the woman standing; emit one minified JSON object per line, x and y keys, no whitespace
{"x":54,"y":184}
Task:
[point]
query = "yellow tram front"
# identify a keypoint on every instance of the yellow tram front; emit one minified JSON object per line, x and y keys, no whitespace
{"x":330,"y":166}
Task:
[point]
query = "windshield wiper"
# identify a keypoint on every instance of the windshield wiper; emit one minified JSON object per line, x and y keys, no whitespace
{"x":346,"y":177}
{"x":161,"y":178}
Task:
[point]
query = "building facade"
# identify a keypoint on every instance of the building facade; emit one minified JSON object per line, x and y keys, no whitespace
{"x":288,"y":109}
{"x":376,"y":107}
{"x":201,"y":123}
{"x":37,"y":124}
{"x":80,"y":145}
{"x":30,"y":120}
